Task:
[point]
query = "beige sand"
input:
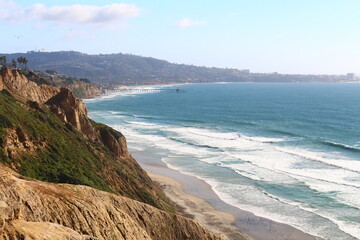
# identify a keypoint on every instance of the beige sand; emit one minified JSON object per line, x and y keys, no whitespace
{"x":199,"y":209}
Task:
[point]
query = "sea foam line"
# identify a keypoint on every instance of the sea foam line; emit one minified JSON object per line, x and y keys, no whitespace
{"x":168,"y":144}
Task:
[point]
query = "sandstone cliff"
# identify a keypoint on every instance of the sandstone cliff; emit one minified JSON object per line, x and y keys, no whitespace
{"x":45,"y":133}
{"x":64,"y":104}
{"x":84,"y":90}
{"x":81,"y":88}
{"x":71,"y":109}
{"x":20,"y":87}
{"x":31,"y":209}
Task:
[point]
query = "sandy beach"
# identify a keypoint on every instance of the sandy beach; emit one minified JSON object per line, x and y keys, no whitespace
{"x":199,"y":210}
{"x":195,"y":199}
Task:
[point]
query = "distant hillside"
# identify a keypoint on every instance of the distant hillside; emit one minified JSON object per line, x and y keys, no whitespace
{"x":126,"y":69}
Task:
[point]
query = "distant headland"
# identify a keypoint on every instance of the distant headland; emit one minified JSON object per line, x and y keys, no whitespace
{"x":127,"y":69}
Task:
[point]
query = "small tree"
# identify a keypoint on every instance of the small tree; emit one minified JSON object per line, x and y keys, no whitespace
{"x":20,"y":60}
{"x":25,"y":62}
{"x":14,"y":63}
{"x":3,"y":61}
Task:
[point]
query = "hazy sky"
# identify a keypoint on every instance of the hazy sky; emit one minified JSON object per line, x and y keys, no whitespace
{"x":287,"y":36}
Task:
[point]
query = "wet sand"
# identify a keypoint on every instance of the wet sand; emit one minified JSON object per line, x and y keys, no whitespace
{"x":195,"y":199}
{"x":199,"y":210}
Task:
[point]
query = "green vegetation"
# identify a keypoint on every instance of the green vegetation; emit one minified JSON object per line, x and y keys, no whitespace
{"x":3,"y":60}
{"x":55,"y":152}
{"x":23,"y":60}
{"x":60,"y":156}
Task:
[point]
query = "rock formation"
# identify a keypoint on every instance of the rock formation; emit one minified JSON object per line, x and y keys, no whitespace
{"x":20,"y":87}
{"x":47,"y":146}
{"x":31,"y":209}
{"x":84,"y":90}
{"x":71,"y":109}
{"x":113,"y":140}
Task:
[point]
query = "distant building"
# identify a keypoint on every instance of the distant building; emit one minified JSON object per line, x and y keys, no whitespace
{"x":350,"y":76}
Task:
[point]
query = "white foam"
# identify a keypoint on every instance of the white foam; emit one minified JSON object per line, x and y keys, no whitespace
{"x":144,"y":124}
{"x":259,"y":158}
{"x":338,"y":161}
{"x":264,"y":139}
{"x":253,"y":200}
{"x":116,"y":112}
{"x":222,"y":140}
{"x":105,"y":96}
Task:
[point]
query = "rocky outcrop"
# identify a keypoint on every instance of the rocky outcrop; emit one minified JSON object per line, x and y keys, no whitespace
{"x":113,"y":140}
{"x":32,"y":209}
{"x":21,"y":88}
{"x":62,"y":102}
{"x":71,"y":109}
{"x":17,"y":142}
{"x":19,"y":229}
{"x":84,"y":89}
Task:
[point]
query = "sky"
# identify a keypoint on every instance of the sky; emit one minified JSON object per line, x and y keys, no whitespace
{"x":285,"y":36}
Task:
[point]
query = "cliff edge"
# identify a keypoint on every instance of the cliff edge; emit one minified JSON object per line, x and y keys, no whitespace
{"x":22,"y":88}
{"x":31,"y":209}
{"x":45,"y":134}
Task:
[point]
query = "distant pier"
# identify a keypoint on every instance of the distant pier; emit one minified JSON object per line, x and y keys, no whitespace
{"x":150,"y":90}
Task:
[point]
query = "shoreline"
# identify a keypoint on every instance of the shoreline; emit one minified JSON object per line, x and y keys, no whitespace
{"x":195,"y":199}
{"x":258,"y":228}
{"x":198,"y":209}
{"x":113,"y":92}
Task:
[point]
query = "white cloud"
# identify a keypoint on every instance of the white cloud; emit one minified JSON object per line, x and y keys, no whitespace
{"x":108,"y":15}
{"x":74,"y":34}
{"x":7,"y":9}
{"x":187,"y":22}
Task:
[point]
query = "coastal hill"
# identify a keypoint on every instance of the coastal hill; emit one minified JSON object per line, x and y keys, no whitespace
{"x":128,"y":69}
{"x":87,"y":184}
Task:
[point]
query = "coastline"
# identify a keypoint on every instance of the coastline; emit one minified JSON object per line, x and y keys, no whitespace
{"x":193,"y":207}
{"x":113,"y":92}
{"x":195,"y":199}
{"x":193,"y":195}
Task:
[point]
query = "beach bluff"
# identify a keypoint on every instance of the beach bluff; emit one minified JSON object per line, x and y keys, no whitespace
{"x":64,"y":176}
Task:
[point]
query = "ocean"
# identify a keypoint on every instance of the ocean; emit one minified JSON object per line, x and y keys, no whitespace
{"x":289,"y":152}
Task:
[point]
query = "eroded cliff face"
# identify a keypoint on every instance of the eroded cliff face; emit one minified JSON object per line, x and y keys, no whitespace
{"x":31,"y":209}
{"x":113,"y":140}
{"x":21,"y":88}
{"x":84,"y":90}
{"x":71,"y":109}
{"x":64,"y":104}
{"x":47,"y":146}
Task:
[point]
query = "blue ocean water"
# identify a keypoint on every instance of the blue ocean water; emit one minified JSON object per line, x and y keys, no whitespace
{"x":285,"y":151}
